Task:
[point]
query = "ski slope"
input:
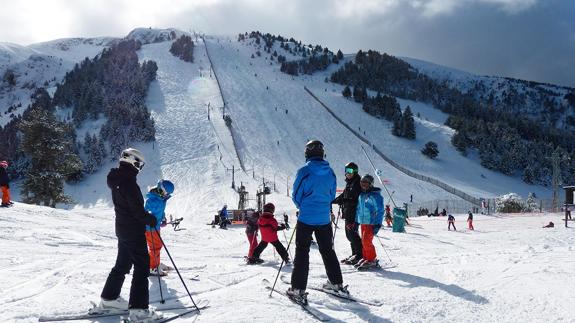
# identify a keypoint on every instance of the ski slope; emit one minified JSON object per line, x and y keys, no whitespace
{"x":56,"y":261}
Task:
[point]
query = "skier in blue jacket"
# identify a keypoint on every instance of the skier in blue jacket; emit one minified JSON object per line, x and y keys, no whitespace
{"x":369,"y":214}
{"x":156,"y":205}
{"x":313,"y":191}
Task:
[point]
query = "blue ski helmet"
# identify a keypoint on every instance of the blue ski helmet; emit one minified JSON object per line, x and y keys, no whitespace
{"x":166,"y":186}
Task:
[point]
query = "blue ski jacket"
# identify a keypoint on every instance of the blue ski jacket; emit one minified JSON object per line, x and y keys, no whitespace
{"x":313,"y":190}
{"x":156,"y":205}
{"x":370,"y":207}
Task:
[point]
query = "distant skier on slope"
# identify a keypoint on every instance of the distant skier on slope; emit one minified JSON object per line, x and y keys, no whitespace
{"x":388,"y":218}
{"x":131,"y":221}
{"x":5,"y":184}
{"x":470,"y":221}
{"x":312,"y":193}
{"x":156,"y":205}
{"x":348,"y":202}
{"x":451,"y":222}
{"x":369,"y":214}
{"x":224,"y":217}
{"x":269,"y":228}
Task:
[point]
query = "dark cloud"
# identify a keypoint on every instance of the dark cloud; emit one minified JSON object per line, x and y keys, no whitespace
{"x":528,"y":39}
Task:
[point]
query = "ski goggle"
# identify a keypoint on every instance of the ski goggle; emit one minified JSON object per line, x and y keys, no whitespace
{"x":349,"y":170}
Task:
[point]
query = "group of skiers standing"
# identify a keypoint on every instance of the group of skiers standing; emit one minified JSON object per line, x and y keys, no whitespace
{"x":313,"y":193}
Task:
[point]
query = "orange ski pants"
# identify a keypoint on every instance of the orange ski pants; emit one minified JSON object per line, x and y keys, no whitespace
{"x":154,"y":247}
{"x":5,"y":195}
{"x":368,"y":250}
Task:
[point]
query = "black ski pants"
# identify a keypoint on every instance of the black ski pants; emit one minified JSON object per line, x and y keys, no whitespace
{"x":277,"y":244}
{"x":324,"y":236}
{"x":130,"y":252}
{"x":352,"y":235}
{"x":451,"y":224}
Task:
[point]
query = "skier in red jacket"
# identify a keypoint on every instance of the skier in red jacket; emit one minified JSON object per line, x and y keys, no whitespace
{"x":269,"y":228}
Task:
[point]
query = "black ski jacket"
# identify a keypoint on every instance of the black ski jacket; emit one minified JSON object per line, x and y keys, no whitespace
{"x":4,"y":181}
{"x":131,"y":217}
{"x":348,"y":198}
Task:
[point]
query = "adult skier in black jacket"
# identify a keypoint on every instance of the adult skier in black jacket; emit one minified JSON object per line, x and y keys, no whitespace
{"x":348,"y":202}
{"x":131,"y":221}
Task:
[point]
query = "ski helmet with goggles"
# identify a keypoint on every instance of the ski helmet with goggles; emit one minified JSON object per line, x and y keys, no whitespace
{"x":367,"y":179}
{"x":133,"y":157}
{"x":314,"y":148}
{"x":166,"y":187}
{"x":4,"y":164}
{"x":351,"y":168}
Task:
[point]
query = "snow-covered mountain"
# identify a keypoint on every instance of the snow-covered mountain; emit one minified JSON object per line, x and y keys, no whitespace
{"x":508,"y":270}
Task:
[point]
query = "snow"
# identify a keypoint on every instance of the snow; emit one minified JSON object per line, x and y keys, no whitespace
{"x":510,"y":269}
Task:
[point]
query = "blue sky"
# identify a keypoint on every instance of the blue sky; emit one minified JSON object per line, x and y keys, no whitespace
{"x":528,"y":39}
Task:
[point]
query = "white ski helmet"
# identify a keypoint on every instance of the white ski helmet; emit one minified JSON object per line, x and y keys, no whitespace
{"x":133,"y":157}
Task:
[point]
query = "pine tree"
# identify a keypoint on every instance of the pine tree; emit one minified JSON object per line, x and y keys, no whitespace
{"x":346,"y":92}
{"x":408,"y":130}
{"x":396,"y":130}
{"x":430,"y":150}
{"x":48,"y":146}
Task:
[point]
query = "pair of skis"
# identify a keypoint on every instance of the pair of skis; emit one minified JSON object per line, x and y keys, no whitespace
{"x":202,"y":304}
{"x":316,"y":313}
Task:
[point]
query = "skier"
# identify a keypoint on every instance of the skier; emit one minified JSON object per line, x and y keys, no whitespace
{"x":131,"y":221}
{"x":5,"y":184}
{"x":470,"y":221}
{"x":252,"y":233}
{"x":550,"y":225}
{"x":312,"y":193}
{"x":369,"y":214}
{"x":224,"y":217}
{"x":269,"y":228}
{"x":156,"y":204}
{"x":348,"y":202}
{"x":451,"y":222}
{"x":388,"y":218}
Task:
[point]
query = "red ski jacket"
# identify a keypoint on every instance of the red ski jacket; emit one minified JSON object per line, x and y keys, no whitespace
{"x":269,"y":227}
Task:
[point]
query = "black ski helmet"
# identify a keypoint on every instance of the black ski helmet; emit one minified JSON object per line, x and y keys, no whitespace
{"x":367,"y":179}
{"x":353,"y":166}
{"x":314,"y":148}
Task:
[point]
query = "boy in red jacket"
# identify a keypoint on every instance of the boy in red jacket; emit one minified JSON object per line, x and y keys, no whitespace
{"x":269,"y":228}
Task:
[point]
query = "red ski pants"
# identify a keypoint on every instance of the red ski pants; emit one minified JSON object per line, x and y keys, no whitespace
{"x":154,"y":247}
{"x":470,"y":224}
{"x":368,"y":249}
{"x":5,"y":195}
{"x":253,"y":240}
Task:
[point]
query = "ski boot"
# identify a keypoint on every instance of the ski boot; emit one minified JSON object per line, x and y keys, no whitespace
{"x":109,"y":306}
{"x":335,"y":288}
{"x":143,"y":315}
{"x":369,"y":265}
{"x":352,"y":260}
{"x":297,"y":295}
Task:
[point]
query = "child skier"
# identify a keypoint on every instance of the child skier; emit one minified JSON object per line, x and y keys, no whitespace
{"x":156,"y":204}
{"x":451,"y":222}
{"x":5,"y":184}
{"x":470,"y":220}
{"x":369,"y":214}
{"x":269,"y":228}
{"x":388,"y":218}
{"x":252,"y":234}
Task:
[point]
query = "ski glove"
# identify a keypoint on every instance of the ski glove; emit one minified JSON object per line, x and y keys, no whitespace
{"x":376,"y":229}
{"x":350,"y":226}
{"x":281,"y":227}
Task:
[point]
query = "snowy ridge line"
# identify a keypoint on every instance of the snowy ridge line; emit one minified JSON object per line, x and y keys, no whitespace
{"x":224,"y":101}
{"x":431,"y":180}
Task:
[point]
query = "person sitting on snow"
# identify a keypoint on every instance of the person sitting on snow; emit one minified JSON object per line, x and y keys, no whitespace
{"x":550,"y":225}
{"x":269,"y":228}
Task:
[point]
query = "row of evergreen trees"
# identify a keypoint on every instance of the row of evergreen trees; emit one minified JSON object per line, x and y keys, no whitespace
{"x":385,"y":107}
{"x":507,"y":142}
{"x":183,"y":48}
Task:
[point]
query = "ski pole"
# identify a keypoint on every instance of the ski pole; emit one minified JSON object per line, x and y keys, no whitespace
{"x":379,"y":239}
{"x":378,"y":177}
{"x":177,"y":271}
{"x":282,"y":263}
{"x":335,"y":230}
{"x":285,"y":238}
{"x":162,"y":300}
